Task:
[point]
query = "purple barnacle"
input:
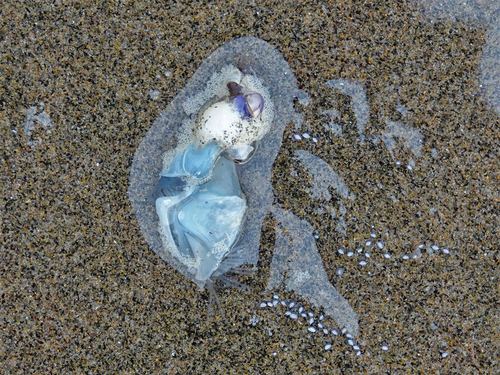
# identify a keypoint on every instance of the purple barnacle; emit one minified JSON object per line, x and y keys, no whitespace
{"x":249,"y":105}
{"x":254,"y":104}
{"x":241,"y":106}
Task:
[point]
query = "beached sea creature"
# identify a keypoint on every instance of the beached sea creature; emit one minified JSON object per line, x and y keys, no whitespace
{"x":186,"y":155}
{"x":200,"y":205}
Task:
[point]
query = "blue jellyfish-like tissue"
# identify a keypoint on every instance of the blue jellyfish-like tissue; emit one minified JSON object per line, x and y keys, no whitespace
{"x":199,"y":200}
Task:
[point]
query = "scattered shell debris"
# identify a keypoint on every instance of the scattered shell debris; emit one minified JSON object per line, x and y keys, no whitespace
{"x":375,"y":245}
{"x":305,"y":136}
{"x":315,"y":322}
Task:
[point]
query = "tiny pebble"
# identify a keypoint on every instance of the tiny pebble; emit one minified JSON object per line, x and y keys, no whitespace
{"x":293,"y":316}
{"x":350,"y":254}
{"x":283,"y":303}
{"x":325,"y":331}
{"x":311,"y":329}
{"x":310,"y":314}
{"x":406,"y":257}
{"x":373,"y":235}
{"x":358,"y":353}
{"x":444,"y":354}
{"x":335,"y":332}
{"x":320,"y":326}
{"x":154,"y":94}
{"x":315,"y":140}
{"x":301,"y":309}
{"x":368,"y":255}
{"x":387,"y":255}
{"x":435,"y":247}
{"x":304,"y":315}
{"x":275,"y":303}
{"x":349,"y":336}
{"x":306,"y":135}
{"x":363,"y":263}
{"x":360,"y":250}
{"x":355,"y":347}
{"x":421,"y":246}
{"x":385,"y":348}
{"x":328,"y":346}
{"x":311,"y":321}
{"x":445,"y":251}
{"x":380,"y":245}
{"x":368,"y":243}
{"x":350,"y":342}
{"x":270,"y":304}
{"x":321,"y":317}
{"x":276,"y":297}
{"x":344,"y":330}
{"x":263,"y":304}
{"x":340,"y":251}
{"x":254,"y":320}
{"x":288,"y":313}
{"x":292,"y":304}
{"x":297,"y":137}
{"x":340,"y":271}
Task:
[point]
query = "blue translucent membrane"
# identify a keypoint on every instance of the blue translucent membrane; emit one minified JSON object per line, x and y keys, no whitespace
{"x":202,"y":206}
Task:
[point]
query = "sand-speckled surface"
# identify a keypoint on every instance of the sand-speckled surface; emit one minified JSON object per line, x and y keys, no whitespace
{"x":80,"y":292}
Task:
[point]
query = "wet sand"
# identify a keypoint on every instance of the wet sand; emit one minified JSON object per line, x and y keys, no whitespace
{"x":82,"y":292}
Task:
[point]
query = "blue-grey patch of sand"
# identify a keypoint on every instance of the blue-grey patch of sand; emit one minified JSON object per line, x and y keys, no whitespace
{"x":358,"y":100}
{"x":297,"y":264}
{"x":36,"y":115}
{"x":411,"y":137}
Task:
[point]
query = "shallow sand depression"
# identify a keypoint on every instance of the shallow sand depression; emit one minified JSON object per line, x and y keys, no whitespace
{"x":387,"y":167}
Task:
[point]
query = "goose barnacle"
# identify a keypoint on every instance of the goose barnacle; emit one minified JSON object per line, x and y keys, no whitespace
{"x":199,"y":201}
